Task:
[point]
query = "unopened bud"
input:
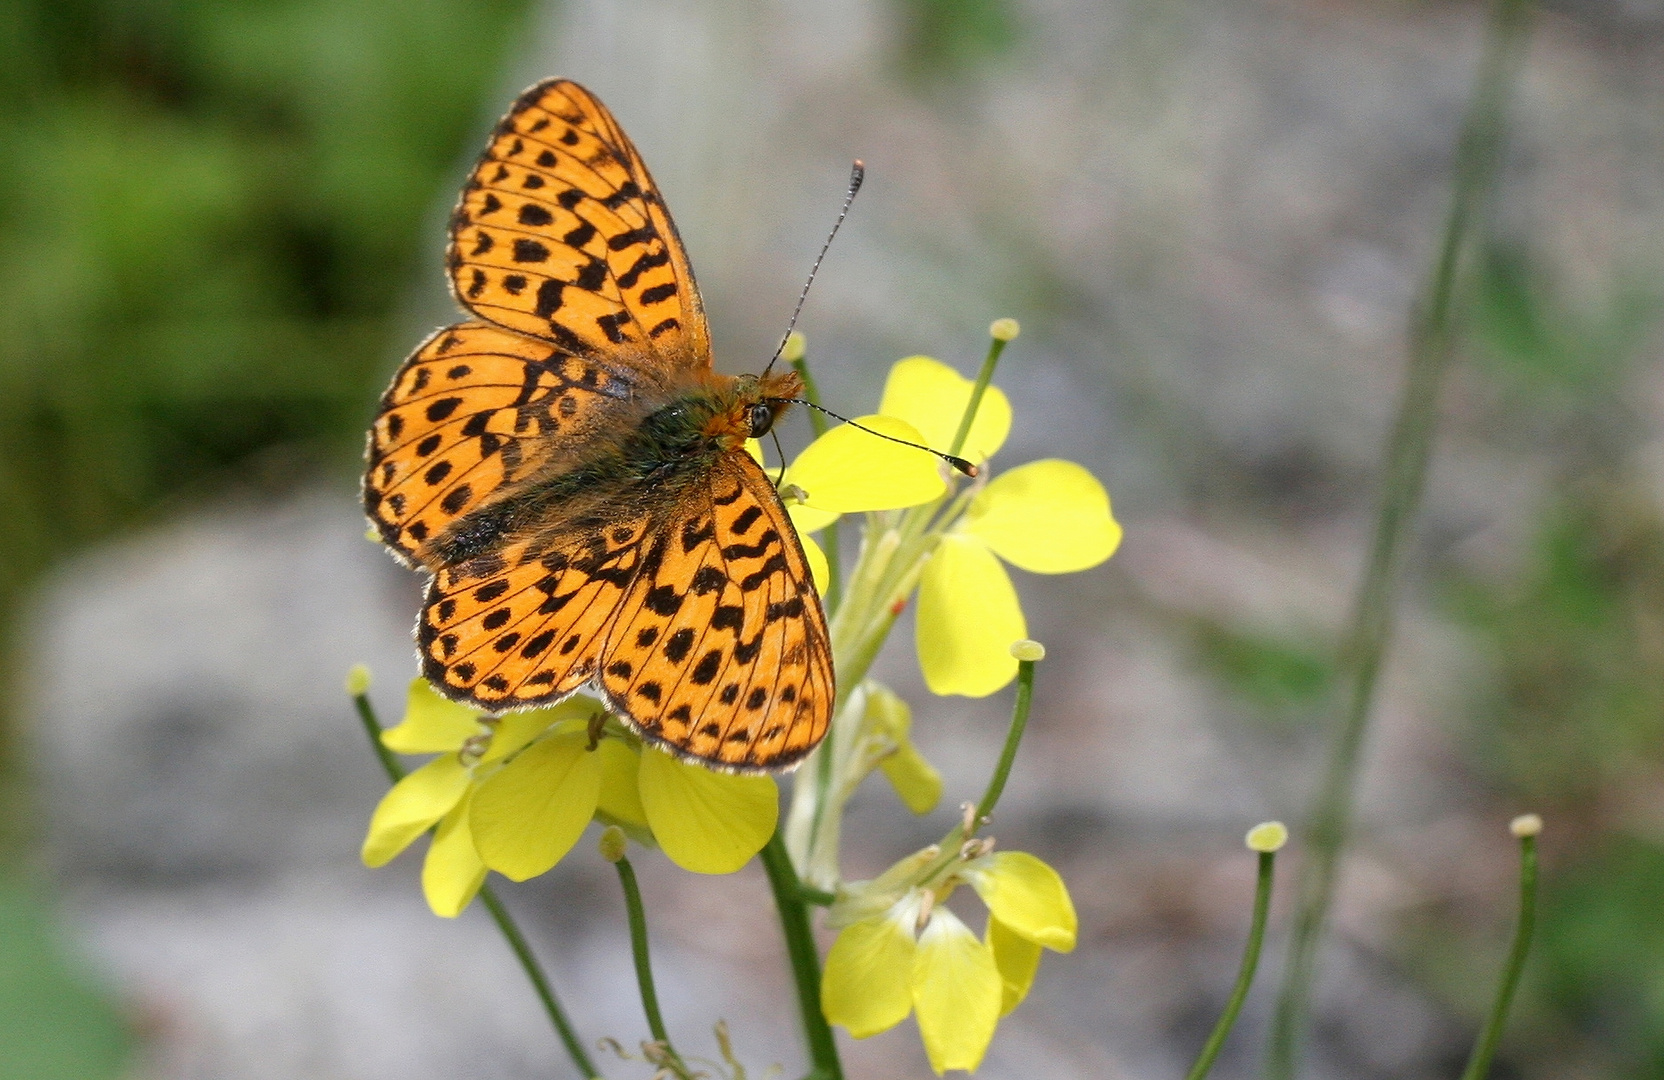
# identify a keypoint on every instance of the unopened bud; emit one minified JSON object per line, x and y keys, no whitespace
{"x":613,"y":843}
{"x":1267,"y":837}
{"x":358,"y":680}
{"x":1004,"y":329}
{"x":793,"y":350}
{"x":1526,"y":825}
{"x":1028,"y":650}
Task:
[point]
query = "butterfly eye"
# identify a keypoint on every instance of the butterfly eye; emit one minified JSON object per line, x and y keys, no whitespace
{"x":762,"y":418}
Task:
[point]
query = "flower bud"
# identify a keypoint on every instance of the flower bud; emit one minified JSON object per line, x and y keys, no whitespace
{"x":1526,"y":825}
{"x":1004,"y":329}
{"x":1267,"y":837}
{"x":613,"y":842}
{"x":358,"y":680}
{"x":1029,"y":650}
{"x":793,"y":350}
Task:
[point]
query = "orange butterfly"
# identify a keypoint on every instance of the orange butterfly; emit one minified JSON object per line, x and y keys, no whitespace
{"x":573,"y":472}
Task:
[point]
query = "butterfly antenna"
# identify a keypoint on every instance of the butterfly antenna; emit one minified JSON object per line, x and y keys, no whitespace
{"x":856,"y":175}
{"x":958,"y":463}
{"x":780,"y":453}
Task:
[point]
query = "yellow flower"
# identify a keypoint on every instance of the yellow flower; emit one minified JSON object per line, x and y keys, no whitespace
{"x":848,"y":471}
{"x":901,"y":951}
{"x":514,"y":793}
{"x":1047,"y":517}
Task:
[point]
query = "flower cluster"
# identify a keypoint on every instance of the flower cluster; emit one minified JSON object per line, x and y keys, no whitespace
{"x":950,"y":543}
{"x":513,"y":793}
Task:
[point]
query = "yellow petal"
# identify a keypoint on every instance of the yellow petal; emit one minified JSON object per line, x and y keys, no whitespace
{"x":915,"y":779}
{"x":530,"y":813}
{"x":707,"y":822}
{"x":432,"y":724}
{"x":754,"y":447}
{"x":818,"y":570}
{"x":867,"y":985}
{"x":516,"y":729}
{"x":1026,"y":895}
{"x":957,"y":992}
{"x":620,"y":794}
{"x":806,"y":519}
{"x":1051,"y":517}
{"x":452,"y":873}
{"x":968,"y":618}
{"x":412,"y":806}
{"x":1018,"y":959}
{"x":849,"y":470}
{"x":932,"y":397}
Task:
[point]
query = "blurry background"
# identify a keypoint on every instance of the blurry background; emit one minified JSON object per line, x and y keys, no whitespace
{"x":221,"y":226}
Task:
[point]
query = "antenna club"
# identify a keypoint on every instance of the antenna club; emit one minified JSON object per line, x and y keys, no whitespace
{"x":857,"y":174}
{"x":793,"y":349}
{"x":962,"y":465}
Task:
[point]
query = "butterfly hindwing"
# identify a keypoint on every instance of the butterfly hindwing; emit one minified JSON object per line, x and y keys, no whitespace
{"x":528,"y":625}
{"x":721,"y":651}
{"x":561,"y":234}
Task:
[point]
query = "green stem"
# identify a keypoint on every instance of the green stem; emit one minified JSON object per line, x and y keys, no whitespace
{"x":828,"y":535}
{"x":545,"y":993}
{"x":372,"y":731}
{"x":1245,"y":977}
{"x":956,"y":837}
{"x":499,"y":914}
{"x":800,"y":947}
{"x":644,"y":965}
{"x":817,"y":897}
{"x":1485,"y":1047}
{"x":995,"y":347}
{"x":1013,"y":736}
{"x":1433,"y":335}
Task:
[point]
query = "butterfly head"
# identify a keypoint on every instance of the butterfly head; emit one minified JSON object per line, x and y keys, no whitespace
{"x":758,"y":401}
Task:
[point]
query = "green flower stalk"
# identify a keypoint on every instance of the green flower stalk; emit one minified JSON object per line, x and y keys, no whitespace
{"x":1266,"y":838}
{"x":358,"y":688}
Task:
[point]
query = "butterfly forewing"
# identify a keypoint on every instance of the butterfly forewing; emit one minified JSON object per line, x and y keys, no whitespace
{"x":472,"y":411}
{"x":561,"y":234}
{"x":721,"y":649}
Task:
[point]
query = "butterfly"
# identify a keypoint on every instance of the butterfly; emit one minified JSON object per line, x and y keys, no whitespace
{"x":572,"y":471}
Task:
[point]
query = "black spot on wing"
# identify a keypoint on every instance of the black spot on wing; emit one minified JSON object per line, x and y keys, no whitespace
{"x":705,"y":671}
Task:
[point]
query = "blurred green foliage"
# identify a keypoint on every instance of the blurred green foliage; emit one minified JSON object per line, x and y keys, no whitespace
{"x":943,"y":39}
{"x":1276,"y":675}
{"x":209,"y":213}
{"x":55,"y":1022}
